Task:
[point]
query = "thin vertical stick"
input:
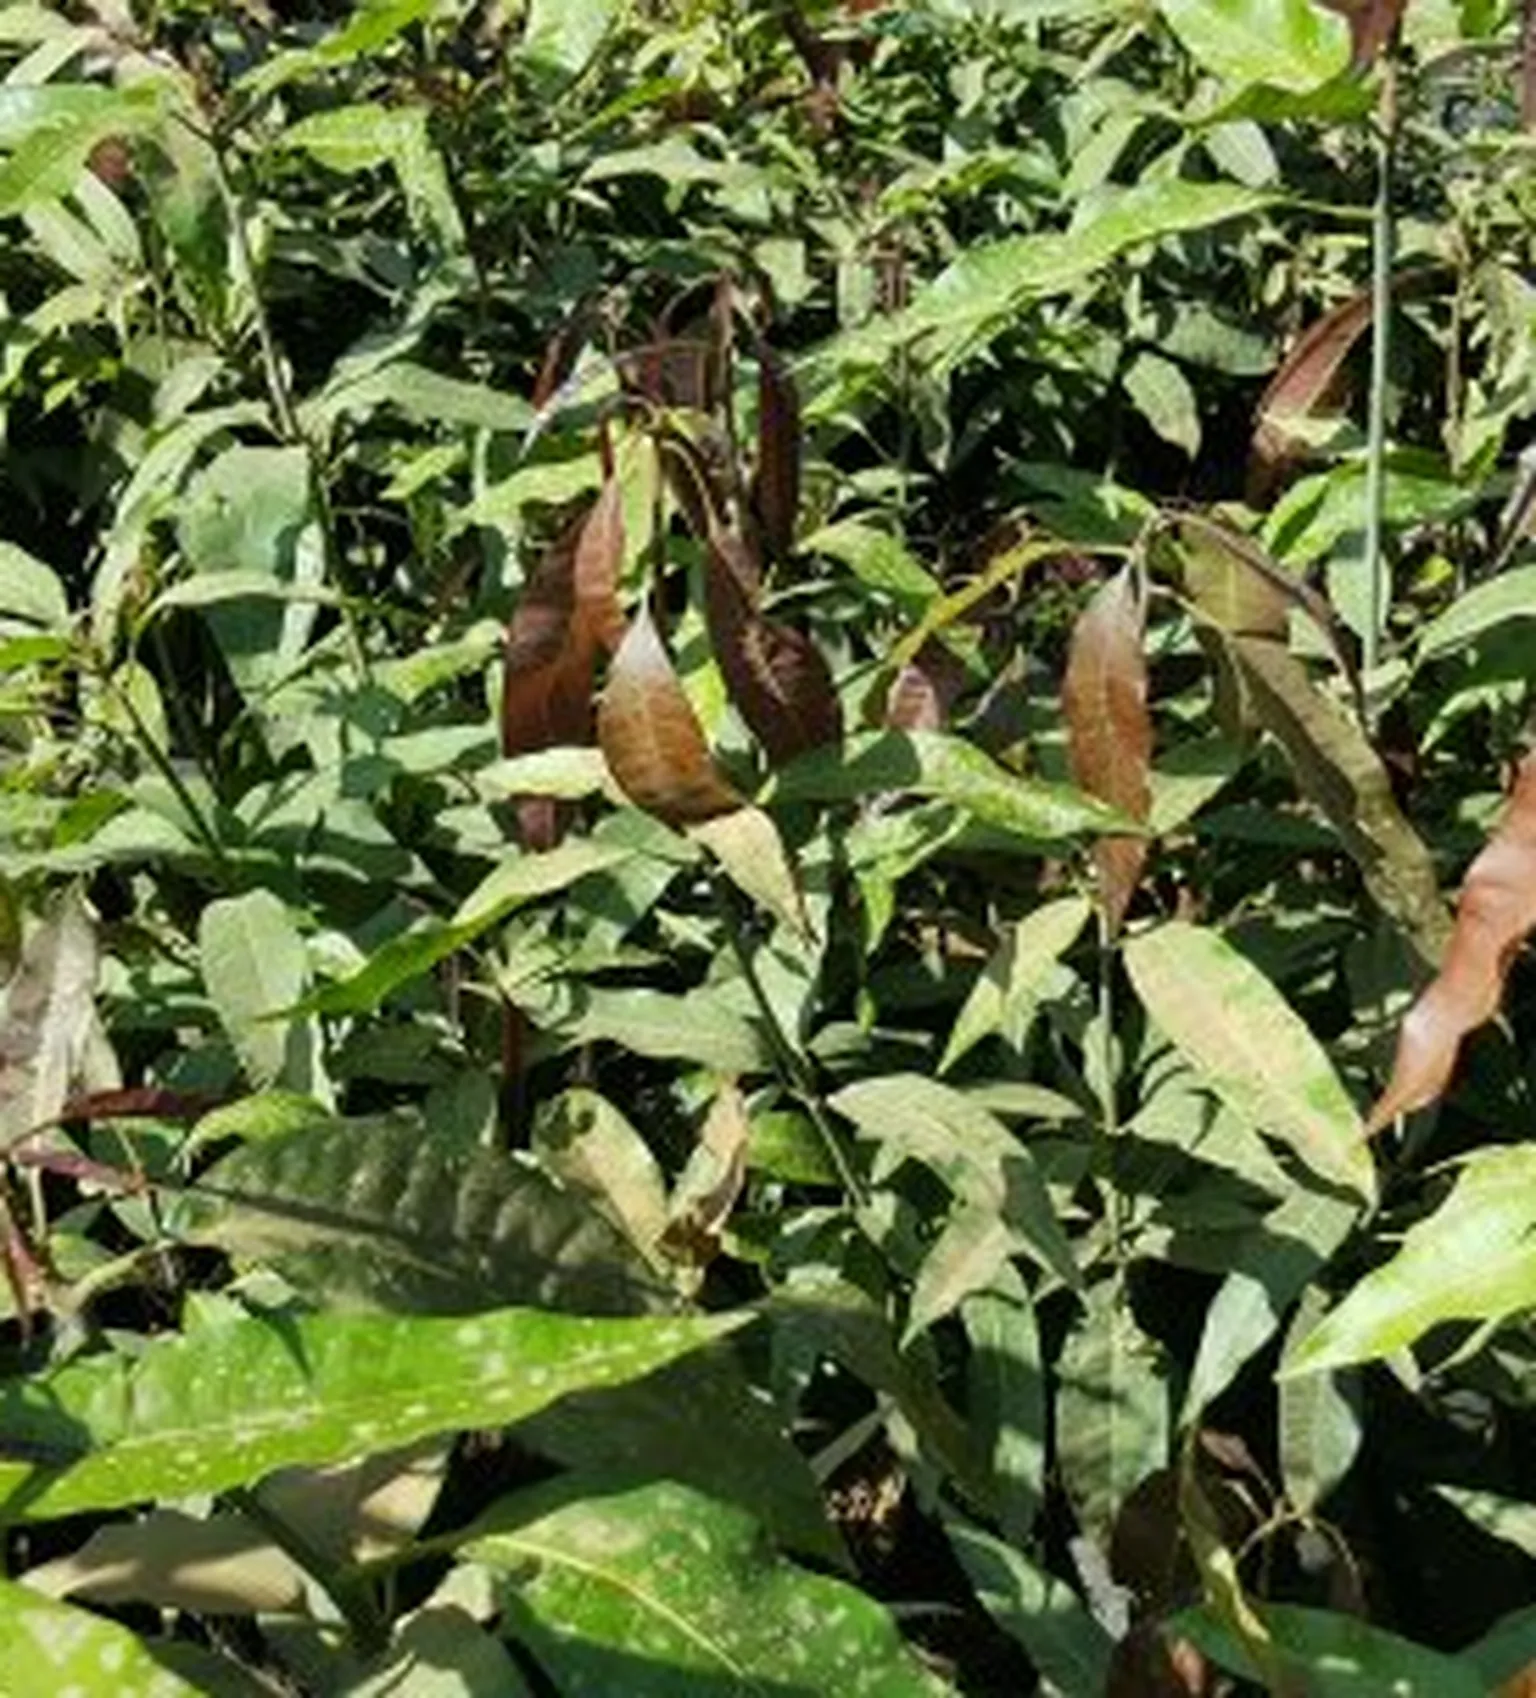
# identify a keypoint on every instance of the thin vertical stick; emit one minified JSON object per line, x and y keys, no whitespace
{"x":1381,"y":348}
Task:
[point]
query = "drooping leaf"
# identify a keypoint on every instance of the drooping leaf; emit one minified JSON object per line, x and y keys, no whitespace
{"x":651,"y":737}
{"x":225,"y":1405}
{"x":710,"y":1184}
{"x":1043,"y":1613}
{"x":1109,"y":730}
{"x":1003,"y":997}
{"x":254,"y":966}
{"x":1473,"y":1259}
{"x":1332,"y":1655}
{"x":776,"y":484}
{"x":1494,"y":915}
{"x":377,"y":1213}
{"x":1255,"y":1051}
{"x":913,"y":1118}
{"x":690,"y":1580}
{"x":776,"y":675}
{"x":48,"y":1648}
{"x":1305,"y":381}
{"x":935,"y":764}
{"x":1112,"y":1409}
{"x":1321,"y":1421}
{"x":1005,"y":1396}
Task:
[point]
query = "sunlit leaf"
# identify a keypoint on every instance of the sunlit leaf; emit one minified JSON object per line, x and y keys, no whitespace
{"x":690,"y":1578}
{"x":377,"y":1213}
{"x":709,"y":1186}
{"x":1003,"y":997}
{"x":1496,"y":911}
{"x":225,"y":1405}
{"x":49,"y":1648}
{"x":1509,"y":1519}
{"x":1109,"y":729}
{"x":587,"y":1143}
{"x":1005,"y":1396}
{"x":1473,"y":1259}
{"x":1289,"y":44}
{"x":1321,"y":1419}
{"x":651,"y":737}
{"x":748,"y":846}
{"x":1251,"y":1046}
{"x":254,"y":966}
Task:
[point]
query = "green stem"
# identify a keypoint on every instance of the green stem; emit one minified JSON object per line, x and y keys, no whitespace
{"x":163,"y":764}
{"x":795,"y":1071}
{"x":1109,"y":1115}
{"x":1381,"y":347}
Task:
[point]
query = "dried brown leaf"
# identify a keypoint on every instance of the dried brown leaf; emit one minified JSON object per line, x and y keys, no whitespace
{"x":776,"y":488}
{"x":1372,"y":24}
{"x":712,"y":1181}
{"x":674,"y":371}
{"x":651,"y":737}
{"x":568,"y":614}
{"x":1496,"y":912}
{"x":924,"y":691}
{"x":1109,"y":730}
{"x":776,"y":675}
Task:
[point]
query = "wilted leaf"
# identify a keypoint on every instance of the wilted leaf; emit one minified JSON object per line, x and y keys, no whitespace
{"x":1109,"y":730}
{"x":775,"y":674}
{"x":376,"y":1213}
{"x":225,"y":1405}
{"x":651,"y":737}
{"x":1496,"y":911}
{"x":1473,"y":1259}
{"x":592,"y":1572}
{"x":710,"y":1184}
{"x":1251,"y":1046}
{"x":1305,"y":381}
{"x":776,"y":486}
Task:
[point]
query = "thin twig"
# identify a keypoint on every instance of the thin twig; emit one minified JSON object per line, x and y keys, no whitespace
{"x":1381,"y":348}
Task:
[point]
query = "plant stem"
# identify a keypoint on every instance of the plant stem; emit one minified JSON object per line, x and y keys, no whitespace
{"x":1381,"y":347}
{"x":1109,"y":1118}
{"x":795,"y":1071}
{"x":163,"y":764}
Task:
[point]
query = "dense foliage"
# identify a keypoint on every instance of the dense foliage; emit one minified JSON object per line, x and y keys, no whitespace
{"x":738,"y":742}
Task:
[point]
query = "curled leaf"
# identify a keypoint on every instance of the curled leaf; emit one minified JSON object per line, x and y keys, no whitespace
{"x":710,"y":1184}
{"x":1496,"y":912}
{"x":1109,"y":730}
{"x":651,"y":737}
{"x":776,"y":488}
{"x":776,"y":675}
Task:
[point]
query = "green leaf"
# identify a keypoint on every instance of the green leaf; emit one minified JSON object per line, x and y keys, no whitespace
{"x":1043,"y":1613}
{"x":1334,"y":1656}
{"x":1161,"y":393}
{"x":588,"y":1145}
{"x":656,"y":1591}
{"x":373,"y":25}
{"x":1505,"y":1518}
{"x":254,"y":966}
{"x":564,"y":35}
{"x":706,"y":1026}
{"x":1003,"y":998}
{"x":48,"y":1649}
{"x":520,"y":878}
{"x":30,"y":590}
{"x":1005,"y":1396}
{"x":373,"y":1212}
{"x":52,"y":129}
{"x":1289,"y":44}
{"x":1254,"y":1050}
{"x":1321,"y":1422}
{"x":226,"y":1405}
{"x":1112,"y":1414}
{"x":747,"y":845}
{"x":1509,"y":598}
{"x":1473,"y":1259}
{"x":909,"y":1117}
{"x":933,"y":764}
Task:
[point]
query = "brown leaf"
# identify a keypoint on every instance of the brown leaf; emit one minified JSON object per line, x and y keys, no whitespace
{"x":568,"y":613}
{"x":924,"y":691}
{"x":1372,"y":24}
{"x":1109,"y":730}
{"x":711,"y":1182}
{"x":776,"y":488}
{"x":776,"y":675}
{"x":674,"y":371}
{"x":1308,"y":379}
{"x":1521,"y":1685}
{"x":135,"y":1102}
{"x":651,"y":737}
{"x":1496,"y":911}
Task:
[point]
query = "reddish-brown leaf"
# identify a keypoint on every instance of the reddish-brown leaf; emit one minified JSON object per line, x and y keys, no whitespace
{"x":22,"y":1273}
{"x":651,"y":737}
{"x":776,"y":487}
{"x":1372,"y":24}
{"x":1109,"y":730}
{"x":674,"y":371}
{"x":134,"y":1102}
{"x":1496,"y":911}
{"x":569,"y":611}
{"x":1307,"y":380}
{"x":924,"y":691}
{"x":776,"y":675}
